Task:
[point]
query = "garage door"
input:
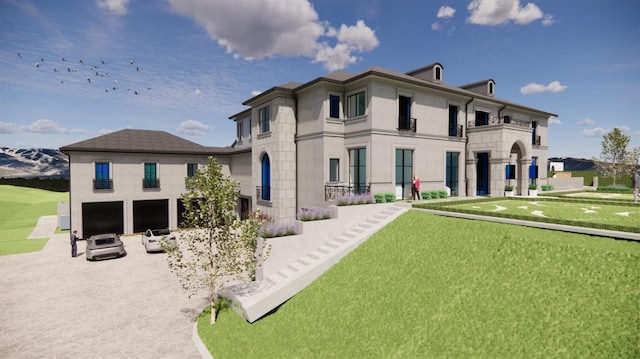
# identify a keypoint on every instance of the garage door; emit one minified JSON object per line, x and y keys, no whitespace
{"x":150,"y":214}
{"x":102,"y":217}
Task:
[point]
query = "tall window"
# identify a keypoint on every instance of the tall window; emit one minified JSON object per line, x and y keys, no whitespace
{"x":534,"y":127}
{"x":192,"y":170}
{"x":265,"y":192}
{"x":438,"y":76}
{"x":150,"y":176}
{"x":356,"y":105}
{"x":102,"y":178}
{"x":451,"y":179}
{"x":358,"y":169}
{"x":404,"y":111}
{"x":334,"y":106}
{"x":482,"y":118}
{"x":404,"y":171}
{"x":334,"y":170}
{"x":264,"y":120}
{"x":239,"y":130}
{"x":453,"y":120}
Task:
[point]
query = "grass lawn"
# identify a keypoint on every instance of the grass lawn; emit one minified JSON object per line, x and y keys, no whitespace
{"x":429,"y":286}
{"x":20,"y":208}
{"x":603,"y":195}
{"x":627,"y":215}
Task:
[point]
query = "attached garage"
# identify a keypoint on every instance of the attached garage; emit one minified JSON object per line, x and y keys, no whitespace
{"x":102,"y":217}
{"x":150,"y":214}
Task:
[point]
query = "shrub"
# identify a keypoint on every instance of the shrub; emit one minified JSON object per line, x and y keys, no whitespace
{"x":390,"y":197}
{"x":380,"y":197}
{"x":614,"y":189}
{"x":354,"y":199}
{"x":533,"y":186}
{"x":508,"y":188}
{"x":546,"y":187}
{"x":313,"y":214}
{"x":442,"y":194}
{"x":270,"y":230}
{"x":425,"y":195}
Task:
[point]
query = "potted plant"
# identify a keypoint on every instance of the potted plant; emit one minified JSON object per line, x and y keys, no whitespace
{"x":533,"y":190}
{"x":508,"y":191}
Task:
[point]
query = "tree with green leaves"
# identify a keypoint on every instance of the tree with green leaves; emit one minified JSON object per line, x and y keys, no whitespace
{"x":217,"y":248}
{"x":615,"y":158}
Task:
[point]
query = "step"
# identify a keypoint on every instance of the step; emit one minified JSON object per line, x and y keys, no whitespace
{"x":324,"y":249}
{"x":365,"y":225}
{"x":333,"y":244}
{"x":296,"y":266}
{"x":342,"y":239}
{"x":373,"y":221}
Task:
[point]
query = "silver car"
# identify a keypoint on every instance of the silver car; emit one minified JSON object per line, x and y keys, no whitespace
{"x":108,"y":245}
{"x":152,"y":237}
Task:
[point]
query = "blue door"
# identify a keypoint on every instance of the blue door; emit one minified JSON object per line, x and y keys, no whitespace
{"x":482,"y":172}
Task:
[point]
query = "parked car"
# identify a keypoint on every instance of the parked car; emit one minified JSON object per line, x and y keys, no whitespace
{"x":152,"y":237}
{"x":108,"y":245}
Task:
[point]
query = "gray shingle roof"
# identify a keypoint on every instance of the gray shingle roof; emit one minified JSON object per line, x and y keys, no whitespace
{"x":142,"y":141}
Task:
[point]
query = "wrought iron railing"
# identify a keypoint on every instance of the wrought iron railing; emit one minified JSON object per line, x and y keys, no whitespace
{"x":263,"y":193}
{"x":333,"y":191}
{"x":407,"y":124}
{"x":150,"y":183}
{"x":102,"y":184}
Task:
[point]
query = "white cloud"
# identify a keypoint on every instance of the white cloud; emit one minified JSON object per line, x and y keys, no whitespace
{"x":596,"y":132}
{"x":548,"y":20}
{"x":497,"y":12}
{"x":624,"y":128}
{"x":533,"y":87}
{"x":446,"y":12}
{"x":587,"y":122}
{"x":436,"y":26}
{"x":252,"y":29}
{"x":118,"y":7}
{"x":197,"y":92}
{"x":193,"y":128}
{"x":255,"y":93}
{"x":554,"y":121}
{"x":8,"y":127}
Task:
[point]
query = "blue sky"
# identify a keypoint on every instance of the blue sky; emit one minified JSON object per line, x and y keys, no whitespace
{"x":193,"y":62}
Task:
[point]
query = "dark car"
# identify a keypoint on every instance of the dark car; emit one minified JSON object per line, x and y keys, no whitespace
{"x":101,"y":246}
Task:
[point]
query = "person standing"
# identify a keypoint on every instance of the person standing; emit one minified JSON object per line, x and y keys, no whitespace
{"x":635,"y":179}
{"x":74,"y":246}
{"x":415,"y":186}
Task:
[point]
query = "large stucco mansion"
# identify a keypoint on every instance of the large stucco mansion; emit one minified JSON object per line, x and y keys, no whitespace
{"x":300,"y":145}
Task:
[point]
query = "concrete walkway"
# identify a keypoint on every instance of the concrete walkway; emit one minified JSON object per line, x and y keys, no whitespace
{"x":55,"y":306}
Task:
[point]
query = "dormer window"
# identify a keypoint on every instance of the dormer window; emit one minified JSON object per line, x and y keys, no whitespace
{"x":437,"y":73}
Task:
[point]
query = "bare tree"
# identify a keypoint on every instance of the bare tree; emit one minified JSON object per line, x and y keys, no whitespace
{"x":218,"y":247}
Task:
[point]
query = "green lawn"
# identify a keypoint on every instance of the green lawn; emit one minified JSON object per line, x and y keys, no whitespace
{"x":20,"y":208}
{"x":626,"y":215}
{"x":428,"y":286}
{"x":603,"y":195}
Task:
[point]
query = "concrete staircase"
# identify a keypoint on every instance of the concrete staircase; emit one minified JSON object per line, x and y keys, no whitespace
{"x":255,"y":299}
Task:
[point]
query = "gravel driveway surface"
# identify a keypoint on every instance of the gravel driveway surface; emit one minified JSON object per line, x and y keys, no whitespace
{"x":55,"y":306}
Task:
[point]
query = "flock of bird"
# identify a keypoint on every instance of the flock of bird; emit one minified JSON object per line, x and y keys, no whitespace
{"x":96,"y":74}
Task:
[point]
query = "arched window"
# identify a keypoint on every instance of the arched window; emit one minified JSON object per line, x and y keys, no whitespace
{"x":438,"y":76}
{"x":266,"y":178}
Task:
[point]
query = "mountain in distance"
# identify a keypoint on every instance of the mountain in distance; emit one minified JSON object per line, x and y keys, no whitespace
{"x":33,"y":163}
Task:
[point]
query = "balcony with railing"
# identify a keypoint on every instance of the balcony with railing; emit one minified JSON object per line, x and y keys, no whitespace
{"x":407,"y":124}
{"x":102,"y":184}
{"x":333,"y":191}
{"x":493,"y":121}
{"x":151,"y":183}
{"x":263,"y":193}
{"x":456,"y":131}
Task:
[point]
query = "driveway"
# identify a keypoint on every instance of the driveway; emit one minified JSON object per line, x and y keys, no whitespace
{"x":55,"y":306}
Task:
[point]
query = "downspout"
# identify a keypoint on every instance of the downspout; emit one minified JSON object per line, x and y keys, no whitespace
{"x":466,"y":145}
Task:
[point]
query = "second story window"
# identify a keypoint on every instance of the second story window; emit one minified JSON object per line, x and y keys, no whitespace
{"x":192,"y":170}
{"x":482,"y":118}
{"x":535,"y":139}
{"x":404,"y":113}
{"x":239,"y":131}
{"x":334,"y":106}
{"x":265,"y":119}
{"x":102,"y":179}
{"x":356,"y":105}
{"x":334,"y":170}
{"x":150,"y":179}
{"x":453,"y":120}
